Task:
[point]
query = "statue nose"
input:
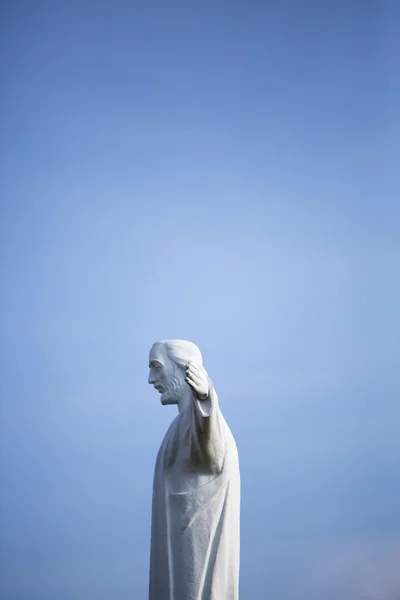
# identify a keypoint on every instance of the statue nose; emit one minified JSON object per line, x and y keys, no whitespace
{"x":151,"y":379}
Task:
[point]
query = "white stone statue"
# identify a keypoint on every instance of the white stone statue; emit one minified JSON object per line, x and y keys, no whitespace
{"x":196,"y":495}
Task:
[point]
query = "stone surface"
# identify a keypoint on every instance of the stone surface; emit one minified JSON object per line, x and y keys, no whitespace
{"x":195,"y":536}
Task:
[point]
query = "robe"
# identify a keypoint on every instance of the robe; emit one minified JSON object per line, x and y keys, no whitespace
{"x":195,"y":535}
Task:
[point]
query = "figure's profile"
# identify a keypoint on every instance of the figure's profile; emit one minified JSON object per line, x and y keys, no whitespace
{"x":195,"y":536}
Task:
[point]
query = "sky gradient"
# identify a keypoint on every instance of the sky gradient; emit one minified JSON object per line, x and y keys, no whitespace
{"x":225,"y":173}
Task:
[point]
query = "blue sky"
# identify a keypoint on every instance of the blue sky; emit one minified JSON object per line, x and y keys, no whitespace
{"x":225,"y":173}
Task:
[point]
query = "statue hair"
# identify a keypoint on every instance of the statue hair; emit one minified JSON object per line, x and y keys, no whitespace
{"x":181,"y":352}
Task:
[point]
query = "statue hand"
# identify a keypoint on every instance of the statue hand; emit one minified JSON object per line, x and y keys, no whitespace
{"x":196,"y":377}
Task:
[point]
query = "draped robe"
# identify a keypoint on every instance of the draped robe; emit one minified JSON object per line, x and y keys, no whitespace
{"x":196,"y":503}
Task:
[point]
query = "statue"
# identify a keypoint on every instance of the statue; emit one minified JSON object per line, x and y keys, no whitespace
{"x":195,"y":536}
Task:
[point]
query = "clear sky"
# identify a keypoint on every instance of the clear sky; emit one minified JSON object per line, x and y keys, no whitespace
{"x":227,"y":173}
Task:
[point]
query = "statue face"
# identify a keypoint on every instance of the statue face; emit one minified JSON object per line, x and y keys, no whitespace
{"x":163,"y":375}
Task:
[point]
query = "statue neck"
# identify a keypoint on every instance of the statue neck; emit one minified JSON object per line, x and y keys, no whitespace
{"x":185,"y":398}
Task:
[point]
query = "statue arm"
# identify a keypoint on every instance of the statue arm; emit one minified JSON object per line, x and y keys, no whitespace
{"x":209,"y":427}
{"x":208,"y":424}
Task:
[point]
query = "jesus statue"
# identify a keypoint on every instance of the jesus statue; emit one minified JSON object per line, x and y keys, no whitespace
{"x":195,"y":536}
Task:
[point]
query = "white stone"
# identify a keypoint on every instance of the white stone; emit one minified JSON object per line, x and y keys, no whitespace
{"x":195,"y":537}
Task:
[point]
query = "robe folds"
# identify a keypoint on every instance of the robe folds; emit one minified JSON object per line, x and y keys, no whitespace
{"x":195,"y":535}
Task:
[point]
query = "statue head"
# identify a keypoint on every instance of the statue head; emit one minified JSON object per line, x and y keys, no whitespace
{"x":167,"y":362}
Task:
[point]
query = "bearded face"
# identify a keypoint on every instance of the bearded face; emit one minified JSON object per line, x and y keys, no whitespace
{"x":165,"y":375}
